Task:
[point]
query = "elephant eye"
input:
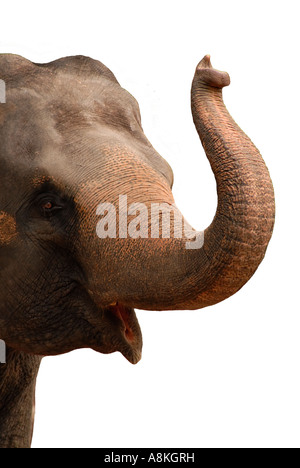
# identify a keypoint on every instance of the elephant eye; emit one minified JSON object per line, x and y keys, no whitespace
{"x":47,"y":206}
{"x":50,"y":206}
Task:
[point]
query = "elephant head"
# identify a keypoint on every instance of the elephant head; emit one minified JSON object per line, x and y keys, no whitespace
{"x":80,"y":247}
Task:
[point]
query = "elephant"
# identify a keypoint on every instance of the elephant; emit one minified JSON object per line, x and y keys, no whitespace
{"x":73,"y":147}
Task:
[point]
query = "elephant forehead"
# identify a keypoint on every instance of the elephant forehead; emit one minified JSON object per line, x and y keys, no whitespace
{"x":8,"y":228}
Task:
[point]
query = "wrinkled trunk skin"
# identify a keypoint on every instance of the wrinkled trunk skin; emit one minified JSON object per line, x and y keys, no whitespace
{"x":236,"y":241}
{"x":161,"y":274}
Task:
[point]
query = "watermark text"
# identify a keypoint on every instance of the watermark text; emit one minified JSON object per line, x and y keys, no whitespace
{"x":2,"y":92}
{"x":139,"y":221}
{"x":2,"y":352}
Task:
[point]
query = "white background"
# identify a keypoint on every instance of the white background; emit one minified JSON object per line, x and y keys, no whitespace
{"x":228,"y":375}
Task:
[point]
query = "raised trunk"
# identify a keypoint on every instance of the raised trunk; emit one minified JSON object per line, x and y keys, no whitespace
{"x":237,"y":239}
{"x":162,"y":273}
{"x":17,"y":390}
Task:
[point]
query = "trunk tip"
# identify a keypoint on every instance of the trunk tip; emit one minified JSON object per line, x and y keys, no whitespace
{"x":205,"y":62}
{"x":205,"y":73}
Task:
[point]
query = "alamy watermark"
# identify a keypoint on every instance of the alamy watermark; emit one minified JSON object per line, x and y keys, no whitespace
{"x":2,"y":352}
{"x":2,"y":92}
{"x":138,"y":221}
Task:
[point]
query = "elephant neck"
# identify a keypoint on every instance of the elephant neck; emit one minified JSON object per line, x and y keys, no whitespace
{"x":17,"y":395}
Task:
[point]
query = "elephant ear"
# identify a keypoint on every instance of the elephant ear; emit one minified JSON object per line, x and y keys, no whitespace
{"x":7,"y":224}
{"x":8,"y":228}
{"x":11,"y":68}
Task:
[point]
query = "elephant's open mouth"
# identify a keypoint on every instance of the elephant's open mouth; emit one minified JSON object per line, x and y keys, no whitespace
{"x":125,"y":316}
{"x":125,"y":333}
{"x":115,"y":328}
